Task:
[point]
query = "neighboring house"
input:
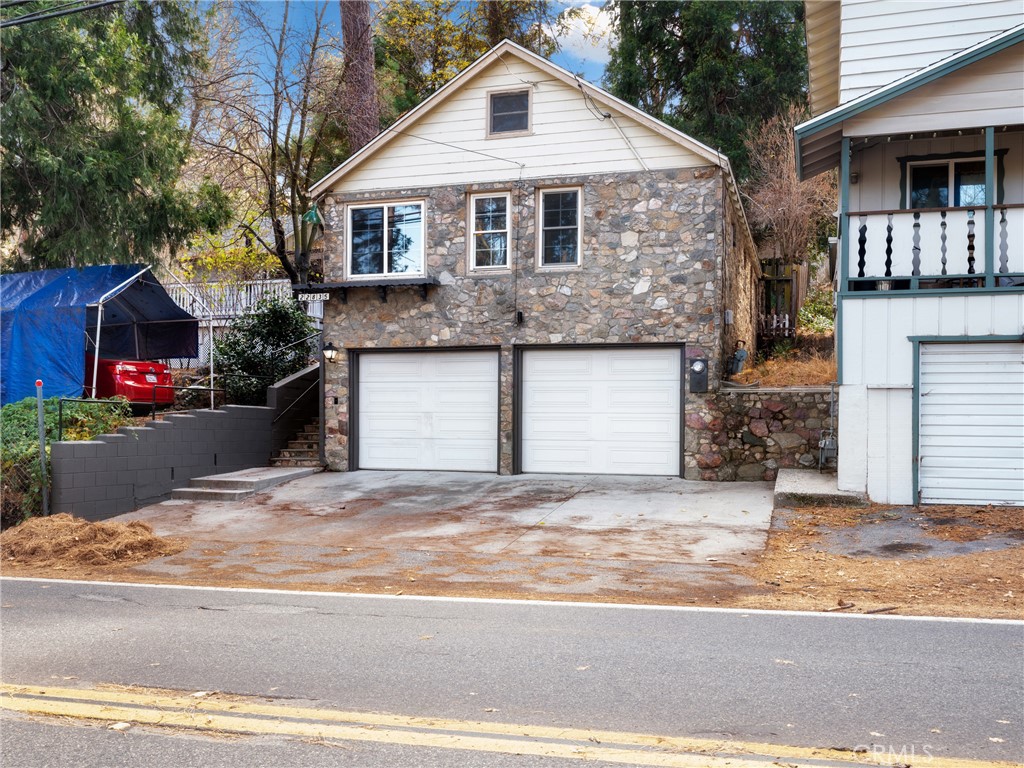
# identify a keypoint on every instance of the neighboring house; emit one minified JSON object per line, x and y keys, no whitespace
{"x":921,"y":107}
{"x":523,"y":271}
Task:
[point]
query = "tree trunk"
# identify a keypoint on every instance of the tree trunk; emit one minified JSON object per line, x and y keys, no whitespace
{"x":358,"y":87}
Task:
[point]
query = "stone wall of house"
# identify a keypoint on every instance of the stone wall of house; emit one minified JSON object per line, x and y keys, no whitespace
{"x":751,"y":434}
{"x":741,"y":272}
{"x":651,"y":271}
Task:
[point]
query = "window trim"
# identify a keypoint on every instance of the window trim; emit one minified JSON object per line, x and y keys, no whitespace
{"x":528,"y":131}
{"x":950,"y":165}
{"x":541,"y":266}
{"x":950,"y":157}
{"x":385,"y":204}
{"x":471,"y":231}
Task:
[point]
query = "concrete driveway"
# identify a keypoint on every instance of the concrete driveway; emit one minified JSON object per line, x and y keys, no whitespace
{"x":577,"y":536}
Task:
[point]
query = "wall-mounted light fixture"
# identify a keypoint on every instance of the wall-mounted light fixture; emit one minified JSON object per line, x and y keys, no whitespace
{"x":330,"y":352}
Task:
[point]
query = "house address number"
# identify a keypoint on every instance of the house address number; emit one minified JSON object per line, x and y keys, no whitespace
{"x":313,"y":297}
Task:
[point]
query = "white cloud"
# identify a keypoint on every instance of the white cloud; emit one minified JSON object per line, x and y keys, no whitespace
{"x":587,"y":35}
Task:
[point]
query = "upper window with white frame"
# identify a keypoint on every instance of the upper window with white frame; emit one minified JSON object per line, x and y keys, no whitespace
{"x":560,"y":227}
{"x":386,"y":239}
{"x":490,"y":238}
{"x":508,"y":113}
{"x":946,"y":184}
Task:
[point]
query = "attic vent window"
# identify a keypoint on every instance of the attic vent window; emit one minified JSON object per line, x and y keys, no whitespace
{"x":509,"y":113}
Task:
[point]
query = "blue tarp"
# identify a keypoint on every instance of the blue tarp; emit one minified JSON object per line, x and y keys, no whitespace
{"x":47,"y":325}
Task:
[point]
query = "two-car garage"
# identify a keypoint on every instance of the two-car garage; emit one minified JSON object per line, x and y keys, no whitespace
{"x":592,"y":410}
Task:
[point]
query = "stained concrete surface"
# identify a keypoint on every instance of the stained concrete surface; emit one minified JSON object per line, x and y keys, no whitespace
{"x":444,"y":532}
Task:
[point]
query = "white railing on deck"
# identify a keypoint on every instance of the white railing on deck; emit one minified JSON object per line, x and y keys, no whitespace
{"x":229,"y":300}
{"x":934,"y":242}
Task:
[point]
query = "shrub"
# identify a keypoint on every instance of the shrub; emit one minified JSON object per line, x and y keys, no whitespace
{"x":21,"y":493}
{"x":263,"y":346}
{"x":817,"y":315}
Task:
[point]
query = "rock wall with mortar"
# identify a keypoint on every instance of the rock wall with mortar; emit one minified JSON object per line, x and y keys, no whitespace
{"x":751,"y":434}
{"x":651,"y":270}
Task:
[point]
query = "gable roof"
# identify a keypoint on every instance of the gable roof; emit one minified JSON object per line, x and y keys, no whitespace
{"x":508,"y":48}
{"x":818,"y":140}
{"x":592,"y":92}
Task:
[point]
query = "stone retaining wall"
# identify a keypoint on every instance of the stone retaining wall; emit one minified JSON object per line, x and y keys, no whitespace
{"x":113,"y":474}
{"x":751,"y":434}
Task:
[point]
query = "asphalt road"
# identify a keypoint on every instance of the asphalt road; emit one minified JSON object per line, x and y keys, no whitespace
{"x":942,"y":688}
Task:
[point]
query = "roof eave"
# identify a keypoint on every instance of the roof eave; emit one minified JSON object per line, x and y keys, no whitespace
{"x":931,"y":73}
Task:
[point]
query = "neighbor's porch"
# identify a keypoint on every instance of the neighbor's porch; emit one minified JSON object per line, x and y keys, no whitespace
{"x":958,"y":219}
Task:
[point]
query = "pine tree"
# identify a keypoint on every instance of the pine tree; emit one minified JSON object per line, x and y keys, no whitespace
{"x":93,"y":144}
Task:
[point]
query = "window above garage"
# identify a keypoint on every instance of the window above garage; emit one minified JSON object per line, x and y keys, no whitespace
{"x":386,"y":239}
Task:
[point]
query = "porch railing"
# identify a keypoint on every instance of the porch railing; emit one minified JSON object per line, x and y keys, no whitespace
{"x":935,"y":247}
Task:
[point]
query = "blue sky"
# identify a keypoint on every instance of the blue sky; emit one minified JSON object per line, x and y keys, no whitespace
{"x":578,"y":53}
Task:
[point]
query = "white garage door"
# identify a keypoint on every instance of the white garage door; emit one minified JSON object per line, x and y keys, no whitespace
{"x":610,"y":411}
{"x":428,"y":410}
{"x":972,"y":423}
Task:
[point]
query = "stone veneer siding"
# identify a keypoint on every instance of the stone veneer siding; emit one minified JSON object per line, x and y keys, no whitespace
{"x":751,"y":434}
{"x":651,"y":270}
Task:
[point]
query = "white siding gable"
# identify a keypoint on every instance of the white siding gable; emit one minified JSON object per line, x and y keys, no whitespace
{"x":884,"y":41}
{"x":449,"y":144}
{"x":988,"y":92}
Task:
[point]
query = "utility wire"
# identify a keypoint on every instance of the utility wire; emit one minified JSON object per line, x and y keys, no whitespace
{"x":44,"y":15}
{"x":454,"y":146}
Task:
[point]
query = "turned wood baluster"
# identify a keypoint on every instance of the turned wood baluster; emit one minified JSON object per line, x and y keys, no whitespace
{"x":970,"y":242}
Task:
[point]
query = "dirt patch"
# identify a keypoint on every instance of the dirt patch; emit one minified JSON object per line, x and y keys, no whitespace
{"x":794,"y":573}
{"x":67,"y":543}
{"x":917,"y":563}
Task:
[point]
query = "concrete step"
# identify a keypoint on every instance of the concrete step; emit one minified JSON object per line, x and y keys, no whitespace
{"x":234,"y":486}
{"x":303,"y":445}
{"x":811,"y":488}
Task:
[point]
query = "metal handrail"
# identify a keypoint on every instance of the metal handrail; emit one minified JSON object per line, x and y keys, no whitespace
{"x":294,"y":402}
{"x":295,"y":343}
{"x":211,"y":390}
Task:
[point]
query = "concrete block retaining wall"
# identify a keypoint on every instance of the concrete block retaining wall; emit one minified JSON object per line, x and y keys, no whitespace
{"x":751,"y":434}
{"x":114,"y":474}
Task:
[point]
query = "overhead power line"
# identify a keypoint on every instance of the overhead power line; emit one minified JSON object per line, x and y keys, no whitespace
{"x":43,"y":15}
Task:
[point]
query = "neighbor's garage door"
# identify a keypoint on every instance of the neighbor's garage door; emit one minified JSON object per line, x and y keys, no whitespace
{"x":428,"y":410}
{"x":611,"y":411}
{"x":972,"y":423}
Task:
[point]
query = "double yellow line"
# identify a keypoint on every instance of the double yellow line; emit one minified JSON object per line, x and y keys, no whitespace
{"x":250,"y":715}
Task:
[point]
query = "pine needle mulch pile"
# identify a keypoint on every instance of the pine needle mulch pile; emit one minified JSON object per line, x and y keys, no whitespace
{"x":66,"y":543}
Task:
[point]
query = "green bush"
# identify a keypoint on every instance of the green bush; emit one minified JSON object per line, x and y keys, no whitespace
{"x":263,"y":346}
{"x":21,"y":493}
{"x":817,"y":315}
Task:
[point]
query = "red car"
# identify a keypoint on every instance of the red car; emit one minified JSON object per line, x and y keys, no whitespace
{"x":135,"y":380}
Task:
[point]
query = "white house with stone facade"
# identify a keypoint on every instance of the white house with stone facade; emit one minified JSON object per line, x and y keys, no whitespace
{"x":921,"y":108}
{"x":527,"y":274}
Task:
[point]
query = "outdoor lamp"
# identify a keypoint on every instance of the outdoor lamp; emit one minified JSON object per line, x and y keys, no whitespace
{"x":330,"y":352}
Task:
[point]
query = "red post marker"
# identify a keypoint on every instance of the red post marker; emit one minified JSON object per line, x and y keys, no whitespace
{"x":39,"y":382}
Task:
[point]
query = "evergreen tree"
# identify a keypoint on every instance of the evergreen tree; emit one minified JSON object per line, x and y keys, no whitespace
{"x":715,"y":70}
{"x":93,"y":145}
